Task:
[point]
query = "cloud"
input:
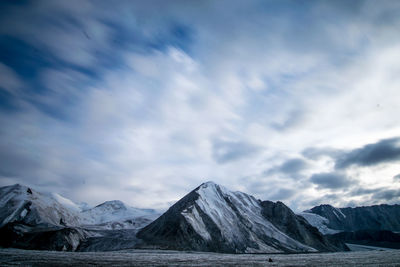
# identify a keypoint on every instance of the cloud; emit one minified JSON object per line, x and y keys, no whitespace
{"x":227,"y":151}
{"x":387,"y":195}
{"x":331,"y":180}
{"x":365,"y":191}
{"x":295,"y":118}
{"x":293,"y":166}
{"x":396,"y":177}
{"x":282,"y":194}
{"x":316,"y":153}
{"x":384,"y":151}
{"x":9,"y":80}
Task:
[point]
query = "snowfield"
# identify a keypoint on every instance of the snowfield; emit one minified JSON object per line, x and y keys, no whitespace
{"x":12,"y":257}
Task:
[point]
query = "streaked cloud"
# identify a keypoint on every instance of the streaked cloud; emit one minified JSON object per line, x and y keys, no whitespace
{"x":281,"y":99}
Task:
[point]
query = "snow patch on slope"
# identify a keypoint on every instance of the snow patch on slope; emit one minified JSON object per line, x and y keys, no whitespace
{"x":319,"y":222}
{"x":340,"y":212}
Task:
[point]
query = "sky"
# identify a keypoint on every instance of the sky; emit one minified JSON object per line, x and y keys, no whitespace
{"x":143,"y":101}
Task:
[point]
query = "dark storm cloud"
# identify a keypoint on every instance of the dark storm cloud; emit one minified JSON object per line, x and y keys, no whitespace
{"x":387,"y":150}
{"x":226,"y":151}
{"x":387,"y":195}
{"x":331,"y":180}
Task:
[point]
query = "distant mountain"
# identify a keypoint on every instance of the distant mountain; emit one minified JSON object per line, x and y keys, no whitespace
{"x":25,"y":205}
{"x":378,"y":217}
{"x":116,"y":215}
{"x":34,"y":220}
{"x":212,"y":218}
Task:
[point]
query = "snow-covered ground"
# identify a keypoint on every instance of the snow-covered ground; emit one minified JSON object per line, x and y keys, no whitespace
{"x":12,"y":257}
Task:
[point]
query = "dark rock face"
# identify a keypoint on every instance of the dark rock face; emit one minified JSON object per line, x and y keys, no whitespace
{"x":378,"y":217}
{"x":297,"y":227}
{"x":109,"y":240}
{"x":41,"y":237}
{"x":377,"y":238}
{"x":211,"y":218}
{"x":171,"y":230}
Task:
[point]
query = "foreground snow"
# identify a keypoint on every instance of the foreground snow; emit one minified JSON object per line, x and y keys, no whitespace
{"x":11,"y":257}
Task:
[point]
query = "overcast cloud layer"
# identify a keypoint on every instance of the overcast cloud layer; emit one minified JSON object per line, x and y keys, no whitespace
{"x":144,"y":100}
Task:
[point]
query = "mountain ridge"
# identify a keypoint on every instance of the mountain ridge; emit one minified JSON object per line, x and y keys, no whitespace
{"x":376,"y":217}
{"x":212,"y":218}
{"x":208,"y":218}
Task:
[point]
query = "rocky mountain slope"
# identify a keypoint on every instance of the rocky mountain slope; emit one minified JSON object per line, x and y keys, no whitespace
{"x":212,"y":218}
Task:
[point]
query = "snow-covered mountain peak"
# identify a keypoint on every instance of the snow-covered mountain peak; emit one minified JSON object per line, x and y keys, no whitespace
{"x":212,"y":218}
{"x":232,"y":212}
{"x":23,"y":204}
{"x":212,"y":188}
{"x":113,"y":204}
{"x":209,"y":183}
{"x":116,"y":211}
{"x":19,"y":203}
{"x":207,"y":186}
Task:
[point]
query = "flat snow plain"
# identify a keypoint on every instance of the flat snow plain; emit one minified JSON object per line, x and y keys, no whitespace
{"x":14,"y":257}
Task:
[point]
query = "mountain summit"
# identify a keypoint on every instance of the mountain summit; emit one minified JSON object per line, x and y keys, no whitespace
{"x":212,"y":218}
